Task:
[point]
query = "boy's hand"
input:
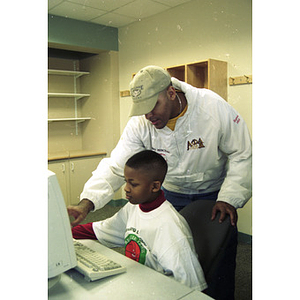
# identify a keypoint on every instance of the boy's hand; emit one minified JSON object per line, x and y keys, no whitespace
{"x":224,"y":208}
{"x":80,"y":211}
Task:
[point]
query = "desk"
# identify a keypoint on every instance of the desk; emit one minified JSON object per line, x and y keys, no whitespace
{"x":139,"y":282}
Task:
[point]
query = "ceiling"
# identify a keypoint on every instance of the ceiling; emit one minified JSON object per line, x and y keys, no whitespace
{"x":115,"y":13}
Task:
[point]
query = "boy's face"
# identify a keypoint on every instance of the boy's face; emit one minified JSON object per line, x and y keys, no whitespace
{"x":139,"y":187}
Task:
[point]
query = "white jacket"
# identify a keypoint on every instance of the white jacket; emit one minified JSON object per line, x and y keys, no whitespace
{"x":210,"y":134}
{"x":160,"y":239}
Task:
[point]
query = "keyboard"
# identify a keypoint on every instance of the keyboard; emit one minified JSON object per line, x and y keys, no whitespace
{"x":94,"y":265}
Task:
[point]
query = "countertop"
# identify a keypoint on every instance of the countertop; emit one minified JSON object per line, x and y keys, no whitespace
{"x":73,"y":154}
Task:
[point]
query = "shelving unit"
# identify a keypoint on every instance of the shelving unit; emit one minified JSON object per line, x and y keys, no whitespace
{"x":210,"y":74}
{"x":87,"y":101}
{"x":74,"y":95}
{"x":177,"y":72}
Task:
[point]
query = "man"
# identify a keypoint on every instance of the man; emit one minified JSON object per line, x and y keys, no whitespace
{"x":205,"y":142}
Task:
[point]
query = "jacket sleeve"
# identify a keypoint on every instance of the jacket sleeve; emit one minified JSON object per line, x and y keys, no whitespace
{"x":235,"y":142}
{"x":109,"y":175}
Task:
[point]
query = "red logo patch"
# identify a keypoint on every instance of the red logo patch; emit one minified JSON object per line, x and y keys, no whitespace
{"x":237,"y":120}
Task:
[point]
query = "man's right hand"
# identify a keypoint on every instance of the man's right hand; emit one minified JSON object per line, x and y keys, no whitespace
{"x":80,"y":211}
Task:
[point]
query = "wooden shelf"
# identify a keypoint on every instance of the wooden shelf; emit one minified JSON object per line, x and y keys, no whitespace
{"x":78,"y":120}
{"x":177,"y":72}
{"x":197,"y":74}
{"x":210,"y":74}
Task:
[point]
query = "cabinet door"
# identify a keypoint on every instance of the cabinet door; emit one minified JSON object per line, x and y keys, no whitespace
{"x":80,"y":171}
{"x":61,"y":169}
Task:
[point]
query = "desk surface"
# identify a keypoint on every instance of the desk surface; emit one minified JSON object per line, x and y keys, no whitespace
{"x":139,"y":282}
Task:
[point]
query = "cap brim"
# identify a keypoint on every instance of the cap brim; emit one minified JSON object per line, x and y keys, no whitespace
{"x":143,"y":107}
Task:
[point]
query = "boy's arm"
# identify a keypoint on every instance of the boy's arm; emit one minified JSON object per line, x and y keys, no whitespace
{"x":110,"y":232}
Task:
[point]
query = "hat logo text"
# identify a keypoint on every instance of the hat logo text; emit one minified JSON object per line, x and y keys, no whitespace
{"x":136,"y":91}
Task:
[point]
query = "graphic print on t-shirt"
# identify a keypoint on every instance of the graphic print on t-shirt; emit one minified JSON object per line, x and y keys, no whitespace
{"x":135,"y":248}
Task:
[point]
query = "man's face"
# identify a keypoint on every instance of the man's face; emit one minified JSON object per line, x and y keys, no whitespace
{"x":161,"y":113}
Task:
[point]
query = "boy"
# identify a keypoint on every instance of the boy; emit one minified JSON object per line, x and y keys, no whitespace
{"x":149,"y":227}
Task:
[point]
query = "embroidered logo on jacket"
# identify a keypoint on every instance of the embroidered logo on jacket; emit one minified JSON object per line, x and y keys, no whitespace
{"x":237,"y":119}
{"x":135,"y":249}
{"x":195,"y":144}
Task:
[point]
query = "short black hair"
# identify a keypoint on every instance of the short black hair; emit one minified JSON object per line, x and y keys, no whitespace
{"x":151,"y":162}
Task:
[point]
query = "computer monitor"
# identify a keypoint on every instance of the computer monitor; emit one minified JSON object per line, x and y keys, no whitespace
{"x":61,"y":253}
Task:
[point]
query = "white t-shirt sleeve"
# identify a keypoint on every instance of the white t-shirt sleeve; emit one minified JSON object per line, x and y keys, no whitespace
{"x":111,"y":232}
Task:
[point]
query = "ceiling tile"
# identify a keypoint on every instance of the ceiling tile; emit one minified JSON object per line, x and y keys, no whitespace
{"x":99,"y":11}
{"x":107,"y":5}
{"x":172,"y":3}
{"x":76,"y":11}
{"x":52,"y":3}
{"x":141,"y":9}
{"x":114,"y":20}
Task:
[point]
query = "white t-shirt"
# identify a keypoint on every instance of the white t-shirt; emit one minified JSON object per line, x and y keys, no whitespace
{"x":160,"y":239}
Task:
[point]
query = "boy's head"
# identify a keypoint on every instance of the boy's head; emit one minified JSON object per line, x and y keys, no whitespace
{"x":144,"y":174}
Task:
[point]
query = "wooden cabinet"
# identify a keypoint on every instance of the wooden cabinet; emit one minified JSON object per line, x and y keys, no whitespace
{"x":61,"y":169}
{"x":210,"y":74}
{"x":72,"y":174}
{"x":80,"y":171}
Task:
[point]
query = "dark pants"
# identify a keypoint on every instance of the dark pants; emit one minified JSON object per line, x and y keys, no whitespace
{"x":222,"y":284}
{"x":179,"y":201}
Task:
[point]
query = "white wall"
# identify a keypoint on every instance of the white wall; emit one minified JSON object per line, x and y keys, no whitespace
{"x":197,"y":30}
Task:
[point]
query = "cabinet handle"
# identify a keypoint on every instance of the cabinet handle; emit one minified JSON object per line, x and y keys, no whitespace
{"x":63,"y":168}
{"x":72,"y":167}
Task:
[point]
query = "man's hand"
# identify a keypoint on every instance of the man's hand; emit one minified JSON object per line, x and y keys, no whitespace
{"x":80,"y":211}
{"x":224,"y":208}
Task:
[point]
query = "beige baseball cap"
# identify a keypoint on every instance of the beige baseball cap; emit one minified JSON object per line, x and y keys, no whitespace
{"x":145,"y":87}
